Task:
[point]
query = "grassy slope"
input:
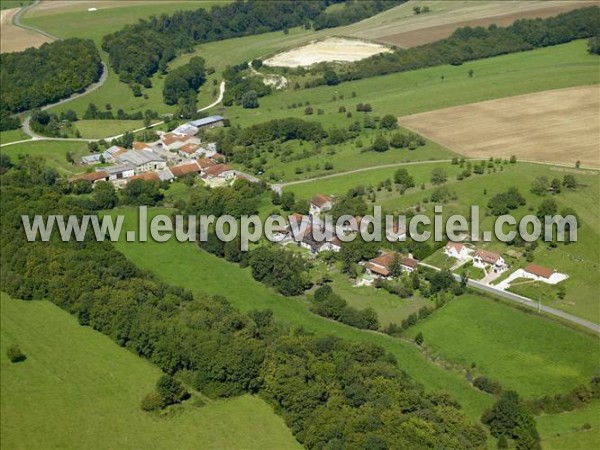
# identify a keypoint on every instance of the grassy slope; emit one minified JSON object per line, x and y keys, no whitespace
{"x":527,"y":353}
{"x":76,"y":385}
{"x":54,"y":151}
{"x":12,"y":136}
{"x":564,"y":431}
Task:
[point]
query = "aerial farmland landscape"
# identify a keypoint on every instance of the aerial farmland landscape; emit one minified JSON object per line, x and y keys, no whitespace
{"x":322,"y":224}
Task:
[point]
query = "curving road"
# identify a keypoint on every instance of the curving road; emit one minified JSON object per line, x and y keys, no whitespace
{"x":17,"y":21}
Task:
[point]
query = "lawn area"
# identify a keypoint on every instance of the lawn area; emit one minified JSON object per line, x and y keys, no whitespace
{"x":439,"y":87}
{"x":78,"y":389}
{"x":566,"y":430}
{"x":527,"y":353}
{"x":53,"y":151}
{"x":390,"y":308}
{"x":12,"y":136}
{"x":187,"y":266}
{"x":100,"y":129}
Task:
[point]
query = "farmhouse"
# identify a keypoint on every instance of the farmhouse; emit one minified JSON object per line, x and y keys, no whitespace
{"x":208,"y":122}
{"x":141,"y":146}
{"x":320,"y":203}
{"x":113,"y":152}
{"x":544,"y":274}
{"x":92,"y":177}
{"x":185,"y":169}
{"x":485,"y":258}
{"x":143,"y":160}
{"x":381,"y":266}
{"x":146,"y":176}
{"x":119,"y":171}
{"x":456,"y":250}
{"x":190,"y":150}
{"x":91,"y":159}
{"x":218,"y":175}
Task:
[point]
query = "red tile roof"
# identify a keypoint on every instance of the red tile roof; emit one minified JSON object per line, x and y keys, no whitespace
{"x":409,"y":262}
{"x":184,"y":169}
{"x":487,"y":256}
{"x":217,"y":170}
{"x":455,"y":245}
{"x":92,"y":176}
{"x":320,"y":200}
{"x":539,"y":271}
{"x":140,"y":145}
{"x":189,"y":148}
{"x":383,"y":263}
{"x":205,"y":163}
{"x":146,"y":176}
{"x":171,"y":138}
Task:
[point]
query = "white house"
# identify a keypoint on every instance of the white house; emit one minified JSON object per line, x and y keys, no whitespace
{"x":485,"y":258}
{"x":320,"y":203}
{"x":456,"y":250}
{"x":218,"y":175}
{"x":119,"y":171}
{"x":191,"y":150}
{"x":382,"y":265}
{"x":543,"y":274}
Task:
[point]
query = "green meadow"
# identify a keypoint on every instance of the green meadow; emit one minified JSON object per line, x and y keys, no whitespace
{"x":573,"y":429}
{"x":525,"y":352}
{"x":55,"y":153}
{"x":12,"y":136}
{"x":78,"y":389}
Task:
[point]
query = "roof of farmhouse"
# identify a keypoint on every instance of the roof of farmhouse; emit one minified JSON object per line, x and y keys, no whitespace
{"x":206,"y":121}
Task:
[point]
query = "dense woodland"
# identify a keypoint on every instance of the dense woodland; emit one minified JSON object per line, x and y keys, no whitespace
{"x":165,"y":36}
{"x":468,"y":44}
{"x":332,"y":393}
{"x":38,"y":76}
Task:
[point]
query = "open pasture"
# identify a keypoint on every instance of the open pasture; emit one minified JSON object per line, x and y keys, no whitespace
{"x":553,"y":126}
{"x":527,"y":353}
{"x":76,"y":384}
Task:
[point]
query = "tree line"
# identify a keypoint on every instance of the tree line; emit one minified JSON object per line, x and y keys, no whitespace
{"x":138,"y":51}
{"x":39,"y":76}
{"x":331,"y":392}
{"x":472,"y":43}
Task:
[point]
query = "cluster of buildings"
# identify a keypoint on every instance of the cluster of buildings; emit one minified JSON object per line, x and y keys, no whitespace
{"x":482,"y":259}
{"x":175,"y":154}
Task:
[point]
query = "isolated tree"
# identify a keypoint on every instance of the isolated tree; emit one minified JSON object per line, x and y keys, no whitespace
{"x":15,"y":354}
{"x":403,"y":178}
{"x":438,"y":176}
{"x":555,"y":184}
{"x":381,"y":144}
{"x":250,"y":100}
{"x":171,"y":390}
{"x":471,"y":72}
{"x":388,"y":122}
{"x":540,"y":186}
{"x":331,"y":78}
{"x":308,"y":111}
{"x":419,"y":338}
{"x":547,"y":208}
{"x":569,"y":182}
{"x":287,"y":201}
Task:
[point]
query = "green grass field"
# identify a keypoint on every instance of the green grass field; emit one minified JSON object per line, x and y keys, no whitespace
{"x":99,"y":129}
{"x":78,"y":389}
{"x":53,"y":151}
{"x":12,"y":136}
{"x":525,"y":352}
{"x":567,"y":431}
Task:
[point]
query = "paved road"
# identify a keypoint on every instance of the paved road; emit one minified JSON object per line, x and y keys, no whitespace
{"x":524,"y":301}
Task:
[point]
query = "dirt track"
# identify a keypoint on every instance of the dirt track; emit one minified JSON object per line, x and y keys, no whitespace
{"x":556,"y":126}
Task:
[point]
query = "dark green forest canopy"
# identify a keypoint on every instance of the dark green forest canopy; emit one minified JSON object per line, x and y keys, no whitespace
{"x":330,"y":391}
{"x":471,"y":43}
{"x":138,"y":51}
{"x":39,"y":76}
